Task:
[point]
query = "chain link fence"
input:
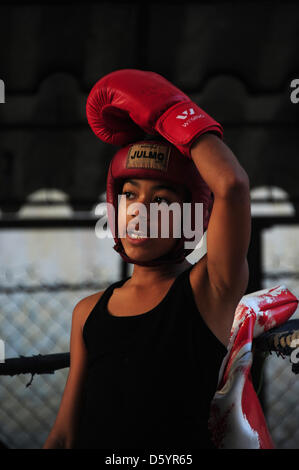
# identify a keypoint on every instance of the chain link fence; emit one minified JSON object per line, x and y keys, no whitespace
{"x":281,"y":267}
{"x":36,"y":319}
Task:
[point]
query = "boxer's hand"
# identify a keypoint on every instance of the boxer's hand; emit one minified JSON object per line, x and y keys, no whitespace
{"x":125,"y":104}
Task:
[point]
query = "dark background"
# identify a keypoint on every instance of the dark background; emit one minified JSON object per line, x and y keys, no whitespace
{"x":235,"y":60}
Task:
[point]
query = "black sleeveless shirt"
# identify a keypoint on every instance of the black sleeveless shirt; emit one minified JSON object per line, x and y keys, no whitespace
{"x":151,"y":377}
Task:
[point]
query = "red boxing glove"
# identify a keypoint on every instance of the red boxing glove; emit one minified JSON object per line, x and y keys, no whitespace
{"x":125,"y":104}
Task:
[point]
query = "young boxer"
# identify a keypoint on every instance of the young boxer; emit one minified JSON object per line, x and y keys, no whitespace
{"x":146,"y":352}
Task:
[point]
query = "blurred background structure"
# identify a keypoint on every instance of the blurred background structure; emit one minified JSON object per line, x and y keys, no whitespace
{"x":237,"y":61}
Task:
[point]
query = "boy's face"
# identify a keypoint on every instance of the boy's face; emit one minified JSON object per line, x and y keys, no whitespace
{"x":155,"y":231}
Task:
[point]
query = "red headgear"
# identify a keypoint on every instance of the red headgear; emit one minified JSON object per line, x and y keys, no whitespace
{"x":152,"y":159}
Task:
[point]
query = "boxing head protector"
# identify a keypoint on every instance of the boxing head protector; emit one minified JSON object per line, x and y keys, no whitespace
{"x":157,"y":160}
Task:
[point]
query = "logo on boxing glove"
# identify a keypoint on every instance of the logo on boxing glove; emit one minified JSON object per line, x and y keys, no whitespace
{"x":2,"y":91}
{"x":187,"y":114}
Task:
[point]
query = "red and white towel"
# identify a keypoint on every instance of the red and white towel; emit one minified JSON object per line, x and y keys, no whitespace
{"x":236,"y":418}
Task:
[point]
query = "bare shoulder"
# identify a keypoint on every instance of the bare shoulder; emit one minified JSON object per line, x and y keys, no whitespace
{"x":216,"y":308}
{"x":85,"y":306}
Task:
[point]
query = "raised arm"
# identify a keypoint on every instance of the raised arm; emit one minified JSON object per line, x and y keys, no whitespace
{"x":224,"y":269}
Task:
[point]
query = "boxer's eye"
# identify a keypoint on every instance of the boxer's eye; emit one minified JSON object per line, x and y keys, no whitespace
{"x":162,"y":199}
{"x":126,"y":193}
{"x":129,"y":195}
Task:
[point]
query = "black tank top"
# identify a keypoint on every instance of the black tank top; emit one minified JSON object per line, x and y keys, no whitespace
{"x":151,"y":377}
